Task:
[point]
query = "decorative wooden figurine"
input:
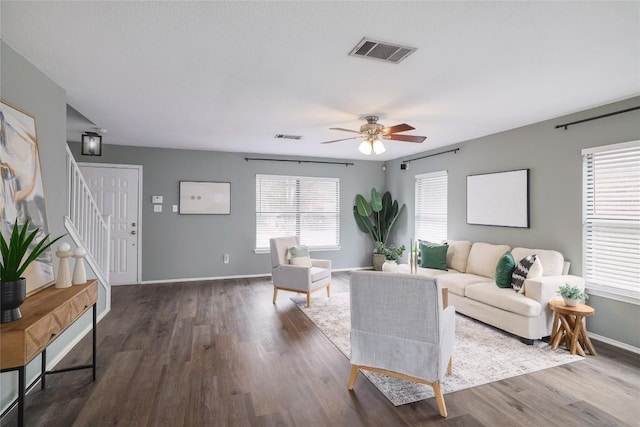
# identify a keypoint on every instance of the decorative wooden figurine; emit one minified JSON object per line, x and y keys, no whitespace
{"x":64,"y":277}
{"x":79,"y":273}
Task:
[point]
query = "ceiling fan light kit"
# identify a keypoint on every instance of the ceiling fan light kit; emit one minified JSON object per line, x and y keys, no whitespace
{"x":365,"y":148}
{"x":372,"y":132}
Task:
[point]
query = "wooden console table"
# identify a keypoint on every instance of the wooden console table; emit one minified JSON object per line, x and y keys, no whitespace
{"x":45,"y":315}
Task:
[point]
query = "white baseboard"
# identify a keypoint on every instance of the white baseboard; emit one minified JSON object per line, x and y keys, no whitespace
{"x":240,"y":276}
{"x":614,"y":343}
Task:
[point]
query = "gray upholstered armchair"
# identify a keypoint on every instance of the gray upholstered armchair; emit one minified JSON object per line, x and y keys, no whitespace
{"x":400,"y":328}
{"x":297,"y":278}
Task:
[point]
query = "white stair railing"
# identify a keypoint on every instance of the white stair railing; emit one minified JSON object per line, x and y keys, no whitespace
{"x":86,"y":225}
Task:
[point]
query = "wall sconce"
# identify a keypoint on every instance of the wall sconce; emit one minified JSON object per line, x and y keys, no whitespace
{"x":91,"y":144}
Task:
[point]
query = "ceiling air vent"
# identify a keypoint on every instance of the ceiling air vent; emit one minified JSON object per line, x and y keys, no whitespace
{"x":283,"y":136}
{"x":381,"y":51}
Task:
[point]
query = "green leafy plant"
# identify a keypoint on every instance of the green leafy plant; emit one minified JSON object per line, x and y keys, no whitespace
{"x":378,"y":216}
{"x":390,"y":253}
{"x":572,"y":292}
{"x":16,"y":249}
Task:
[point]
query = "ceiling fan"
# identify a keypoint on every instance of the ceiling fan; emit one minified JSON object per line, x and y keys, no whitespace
{"x":373,"y":132}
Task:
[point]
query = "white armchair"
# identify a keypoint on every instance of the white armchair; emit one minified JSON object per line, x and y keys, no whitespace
{"x":296,"y":278}
{"x":400,"y":328}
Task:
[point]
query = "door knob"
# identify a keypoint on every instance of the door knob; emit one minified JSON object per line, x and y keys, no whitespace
{"x":133,"y":231}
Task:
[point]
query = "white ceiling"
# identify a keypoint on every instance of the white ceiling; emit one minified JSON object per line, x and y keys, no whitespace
{"x":228,"y":76}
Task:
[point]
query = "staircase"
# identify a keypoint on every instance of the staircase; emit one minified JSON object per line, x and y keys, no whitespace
{"x":86,"y":225}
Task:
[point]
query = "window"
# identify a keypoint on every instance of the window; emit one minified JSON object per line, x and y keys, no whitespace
{"x":302,"y":206}
{"x":611,"y":220}
{"x":431,"y":206}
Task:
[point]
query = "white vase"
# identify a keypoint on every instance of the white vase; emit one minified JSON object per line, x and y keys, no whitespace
{"x":571,"y":302}
{"x":390,"y":266}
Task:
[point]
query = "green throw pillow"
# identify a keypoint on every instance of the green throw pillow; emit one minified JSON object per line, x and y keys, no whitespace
{"x":504,"y":270}
{"x":433,"y":256}
{"x":299,"y":255}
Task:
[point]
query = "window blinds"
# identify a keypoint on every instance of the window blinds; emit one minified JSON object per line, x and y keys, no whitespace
{"x":431,"y":206}
{"x":611,"y":228}
{"x":306,"y":207}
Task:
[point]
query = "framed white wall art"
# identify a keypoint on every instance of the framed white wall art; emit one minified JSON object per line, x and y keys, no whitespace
{"x":205,"y":198}
{"x":500,"y":198}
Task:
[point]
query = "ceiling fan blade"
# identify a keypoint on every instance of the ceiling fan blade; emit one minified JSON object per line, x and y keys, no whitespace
{"x":407,"y":138}
{"x":337,"y":140}
{"x":397,"y":128}
{"x":346,"y":130}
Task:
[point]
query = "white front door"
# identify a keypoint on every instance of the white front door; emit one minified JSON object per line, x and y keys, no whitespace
{"x":117,"y":190}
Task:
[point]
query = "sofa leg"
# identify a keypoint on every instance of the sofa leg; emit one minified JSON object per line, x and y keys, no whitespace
{"x":329,"y":290}
{"x":526,"y":341}
{"x":308,"y":299}
{"x":275,"y":294}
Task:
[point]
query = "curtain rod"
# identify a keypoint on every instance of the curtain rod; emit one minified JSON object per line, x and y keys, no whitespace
{"x":602,"y":116}
{"x":455,"y":150}
{"x":300,"y":161}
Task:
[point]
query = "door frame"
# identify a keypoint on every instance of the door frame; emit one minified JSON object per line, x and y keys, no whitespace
{"x":139,"y":219}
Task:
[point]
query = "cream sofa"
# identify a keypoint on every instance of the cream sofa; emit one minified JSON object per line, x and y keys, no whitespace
{"x":470,"y":279}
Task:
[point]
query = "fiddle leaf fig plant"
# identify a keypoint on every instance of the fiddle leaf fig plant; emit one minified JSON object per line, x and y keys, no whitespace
{"x":15,"y":253}
{"x":378,"y":216}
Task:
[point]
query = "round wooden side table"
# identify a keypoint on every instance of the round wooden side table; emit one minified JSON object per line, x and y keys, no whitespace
{"x":568,"y":326}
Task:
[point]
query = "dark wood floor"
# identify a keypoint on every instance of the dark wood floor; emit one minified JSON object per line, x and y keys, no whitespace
{"x":221,"y":354}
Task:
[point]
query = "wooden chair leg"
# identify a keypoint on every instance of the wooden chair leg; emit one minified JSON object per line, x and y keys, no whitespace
{"x":450,"y":366}
{"x":275,"y":294}
{"x":308,"y":299}
{"x":437,"y":390}
{"x":352,"y":378}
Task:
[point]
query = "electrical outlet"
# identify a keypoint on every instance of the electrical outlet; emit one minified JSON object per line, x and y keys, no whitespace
{"x":157,"y":208}
{"x":225,"y":258}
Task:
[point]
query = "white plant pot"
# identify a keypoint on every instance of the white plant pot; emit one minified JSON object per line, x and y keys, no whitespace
{"x":390,"y":266}
{"x":571,"y":302}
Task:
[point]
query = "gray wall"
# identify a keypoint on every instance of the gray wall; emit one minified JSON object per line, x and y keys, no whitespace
{"x":178,"y":246}
{"x":555,"y":162}
{"x":25,"y":87}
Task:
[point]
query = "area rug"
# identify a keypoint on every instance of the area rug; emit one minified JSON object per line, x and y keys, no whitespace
{"x":482,"y":354}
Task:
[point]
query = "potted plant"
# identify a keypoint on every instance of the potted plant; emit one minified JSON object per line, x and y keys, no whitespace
{"x":572,"y":294}
{"x":17,"y":255}
{"x":377,"y":217}
{"x":391,"y":255}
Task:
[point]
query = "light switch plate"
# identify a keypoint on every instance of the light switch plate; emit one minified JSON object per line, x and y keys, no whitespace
{"x":174,"y":208}
{"x":157,"y":208}
{"x":156,"y":199}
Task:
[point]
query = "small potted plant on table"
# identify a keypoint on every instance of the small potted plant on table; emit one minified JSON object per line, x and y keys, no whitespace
{"x":572,"y":295}
{"x":391,"y":255}
{"x":17,"y":254}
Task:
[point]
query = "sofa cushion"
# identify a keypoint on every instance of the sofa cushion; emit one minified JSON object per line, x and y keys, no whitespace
{"x":552,"y":261}
{"x":433,"y":256}
{"x":484,"y":257}
{"x":432,"y":272}
{"x":521,"y":272}
{"x":506,"y":299}
{"x":504,"y":270}
{"x":458,"y":282}
{"x":319,"y":273}
{"x":458,"y":254}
